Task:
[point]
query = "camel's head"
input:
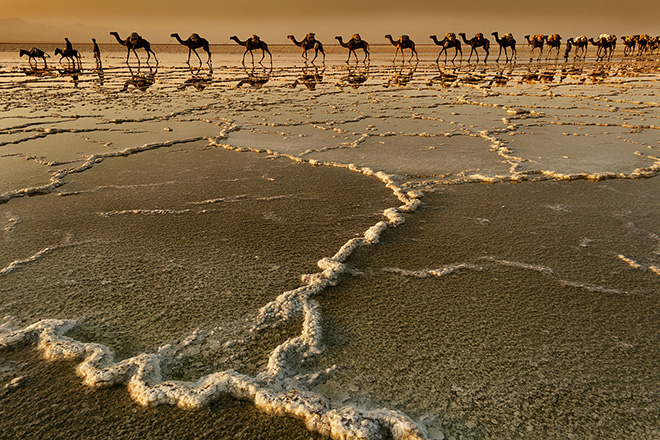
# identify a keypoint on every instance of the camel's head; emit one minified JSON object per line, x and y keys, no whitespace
{"x":23,"y":52}
{"x":338,"y":37}
{"x":433,"y":37}
{"x":527,"y":37}
{"x":114,"y":33}
{"x":290,"y":37}
{"x":94,"y":40}
{"x":175,"y":34}
{"x":494,"y":33}
{"x":388,"y":36}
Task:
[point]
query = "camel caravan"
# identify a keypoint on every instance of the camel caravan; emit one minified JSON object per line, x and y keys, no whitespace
{"x":577,"y":47}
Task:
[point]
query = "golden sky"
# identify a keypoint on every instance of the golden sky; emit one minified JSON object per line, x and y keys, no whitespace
{"x":274,"y":19}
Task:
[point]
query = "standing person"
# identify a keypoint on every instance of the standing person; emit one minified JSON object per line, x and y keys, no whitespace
{"x":97,"y":54}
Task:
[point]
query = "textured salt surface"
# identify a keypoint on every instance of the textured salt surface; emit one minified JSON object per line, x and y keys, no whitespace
{"x":157,"y":255}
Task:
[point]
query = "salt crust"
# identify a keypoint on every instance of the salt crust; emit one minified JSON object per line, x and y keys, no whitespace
{"x":280,"y":389}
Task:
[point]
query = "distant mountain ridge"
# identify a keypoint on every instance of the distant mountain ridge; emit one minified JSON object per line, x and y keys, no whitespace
{"x":17,"y":30}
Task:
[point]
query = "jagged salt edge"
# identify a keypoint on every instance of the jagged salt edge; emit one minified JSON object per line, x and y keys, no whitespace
{"x":142,"y":373}
{"x":45,"y":251}
{"x":57,"y":178}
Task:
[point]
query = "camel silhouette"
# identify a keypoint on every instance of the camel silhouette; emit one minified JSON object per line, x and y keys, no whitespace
{"x":554,"y":42}
{"x":506,"y":41}
{"x":33,"y":54}
{"x":309,"y":42}
{"x":606,"y":44}
{"x":356,"y":42}
{"x":535,"y":42}
{"x":71,"y":54}
{"x":404,"y":42}
{"x":135,"y":41}
{"x":252,"y":43}
{"x":449,"y":41}
{"x":193,"y":42}
{"x":477,"y":41}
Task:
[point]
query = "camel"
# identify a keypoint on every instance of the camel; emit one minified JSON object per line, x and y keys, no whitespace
{"x":450,"y":40}
{"x":33,"y":54}
{"x":356,"y":42}
{"x":644,"y":43}
{"x":537,"y":41}
{"x":252,"y":43}
{"x":507,"y":40}
{"x":605,"y":44}
{"x":71,"y":54}
{"x":309,"y":42}
{"x":629,"y":42}
{"x":404,"y":42}
{"x":135,"y":41}
{"x":581,"y":44}
{"x":554,"y":42}
{"x":477,"y":41}
{"x":193,"y":42}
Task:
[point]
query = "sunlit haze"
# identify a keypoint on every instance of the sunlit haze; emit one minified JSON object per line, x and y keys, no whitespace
{"x":274,"y":20}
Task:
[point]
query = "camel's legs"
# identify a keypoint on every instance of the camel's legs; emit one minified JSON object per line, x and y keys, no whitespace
{"x":440,"y":53}
{"x":413,"y":51}
{"x":196,"y":54}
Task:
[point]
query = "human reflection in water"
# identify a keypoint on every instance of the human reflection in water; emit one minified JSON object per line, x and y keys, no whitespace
{"x":256,"y":77}
{"x":73,"y":72}
{"x":311,"y":76}
{"x":100,"y":76}
{"x":400,"y":78}
{"x":197,"y":80}
{"x":446,"y":78}
{"x":357,"y":75}
{"x":141,"y":81}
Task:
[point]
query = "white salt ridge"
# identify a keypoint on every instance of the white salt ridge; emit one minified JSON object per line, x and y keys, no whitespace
{"x":280,"y":389}
{"x":45,"y":251}
{"x":545,"y":270}
{"x":439,"y":272}
{"x":145,"y":212}
{"x":57,"y":178}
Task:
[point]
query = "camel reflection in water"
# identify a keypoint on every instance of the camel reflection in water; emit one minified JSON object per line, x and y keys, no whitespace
{"x":256,"y":77}
{"x":446,"y":78}
{"x":141,"y":81}
{"x":356,"y":76}
{"x":311,"y":76}
{"x":400,"y":78}
{"x":197,"y":80}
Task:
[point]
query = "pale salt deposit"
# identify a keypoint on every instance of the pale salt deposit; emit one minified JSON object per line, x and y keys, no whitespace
{"x":528,"y":124}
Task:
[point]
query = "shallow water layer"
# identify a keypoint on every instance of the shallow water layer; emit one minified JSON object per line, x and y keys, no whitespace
{"x":256,"y":233}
